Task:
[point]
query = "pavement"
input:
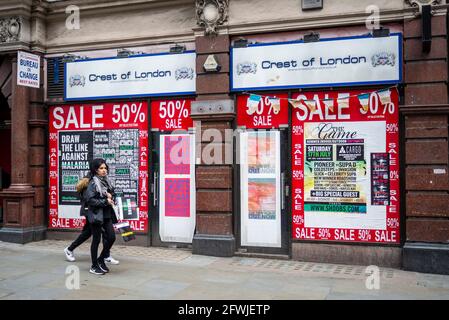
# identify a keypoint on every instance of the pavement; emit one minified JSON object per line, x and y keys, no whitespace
{"x":39,"y":271}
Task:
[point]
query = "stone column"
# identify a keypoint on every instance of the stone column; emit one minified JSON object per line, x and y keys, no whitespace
{"x":214,"y":111}
{"x":38,"y":122}
{"x":18,"y":198}
{"x":425,"y":115}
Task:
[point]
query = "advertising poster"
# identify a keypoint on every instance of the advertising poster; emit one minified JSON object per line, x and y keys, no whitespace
{"x":177,"y":188}
{"x":345,"y":166}
{"x":116,"y":132}
{"x":262,"y":112}
{"x":169,"y":115}
{"x":260,"y":188}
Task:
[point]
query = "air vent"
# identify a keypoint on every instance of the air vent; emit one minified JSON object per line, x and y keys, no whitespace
{"x":55,"y":78}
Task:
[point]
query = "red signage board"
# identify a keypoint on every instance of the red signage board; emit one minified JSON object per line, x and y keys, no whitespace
{"x":345,"y":166}
{"x":169,"y":115}
{"x":262,"y":112}
{"x":116,"y":132}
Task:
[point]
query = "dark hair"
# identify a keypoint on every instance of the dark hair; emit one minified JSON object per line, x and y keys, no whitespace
{"x":95,"y":164}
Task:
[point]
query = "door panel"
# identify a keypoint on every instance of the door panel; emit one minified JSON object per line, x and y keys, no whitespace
{"x":263,"y":224}
{"x":174,"y":184}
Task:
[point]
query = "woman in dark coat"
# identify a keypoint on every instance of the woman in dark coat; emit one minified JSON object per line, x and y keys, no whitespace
{"x":99,"y":198}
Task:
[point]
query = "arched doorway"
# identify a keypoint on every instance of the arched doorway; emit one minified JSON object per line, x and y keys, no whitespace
{"x":5,"y":124}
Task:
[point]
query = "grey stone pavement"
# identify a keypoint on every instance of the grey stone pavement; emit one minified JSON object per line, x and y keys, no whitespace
{"x":38,"y":271}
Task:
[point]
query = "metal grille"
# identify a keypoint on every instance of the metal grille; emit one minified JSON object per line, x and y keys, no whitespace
{"x":55,"y":77}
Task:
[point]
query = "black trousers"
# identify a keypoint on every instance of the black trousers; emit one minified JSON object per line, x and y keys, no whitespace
{"x":85,"y":234}
{"x":108,"y":240}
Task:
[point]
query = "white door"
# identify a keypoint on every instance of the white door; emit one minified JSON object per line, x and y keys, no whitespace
{"x":177,"y":205}
{"x":260,"y":182}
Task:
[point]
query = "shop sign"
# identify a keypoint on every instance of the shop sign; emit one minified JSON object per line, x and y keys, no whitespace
{"x":28,"y":69}
{"x":116,"y":132}
{"x":262,"y":112}
{"x":135,"y":76}
{"x":348,"y":61}
{"x":345,"y":166}
{"x":169,"y":115}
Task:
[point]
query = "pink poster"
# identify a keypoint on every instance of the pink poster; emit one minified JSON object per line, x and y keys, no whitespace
{"x":177,"y":197}
{"x":177,"y":154}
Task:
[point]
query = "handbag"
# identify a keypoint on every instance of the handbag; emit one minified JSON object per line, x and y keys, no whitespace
{"x":95,"y":217}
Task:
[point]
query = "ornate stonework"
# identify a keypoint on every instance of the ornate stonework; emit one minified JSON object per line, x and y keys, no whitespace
{"x":420,"y":3}
{"x":10,"y":29}
{"x":211,"y":13}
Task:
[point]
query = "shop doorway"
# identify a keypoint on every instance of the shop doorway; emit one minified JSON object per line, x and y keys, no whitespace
{"x":263,"y":223}
{"x":174,"y":202}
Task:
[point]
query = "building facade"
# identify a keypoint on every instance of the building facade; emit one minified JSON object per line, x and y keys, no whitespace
{"x":314,"y":130}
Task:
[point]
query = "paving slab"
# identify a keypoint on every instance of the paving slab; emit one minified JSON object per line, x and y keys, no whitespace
{"x":39,"y":271}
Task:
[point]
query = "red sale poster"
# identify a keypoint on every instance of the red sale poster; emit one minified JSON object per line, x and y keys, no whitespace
{"x":262,"y":112}
{"x":345,"y":166}
{"x":169,"y":115}
{"x":116,"y":132}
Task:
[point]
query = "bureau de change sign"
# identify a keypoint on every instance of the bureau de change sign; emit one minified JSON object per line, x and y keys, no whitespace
{"x":28,"y":69}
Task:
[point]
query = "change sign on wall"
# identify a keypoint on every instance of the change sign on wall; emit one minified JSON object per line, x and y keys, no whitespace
{"x":345,"y":154}
{"x":116,"y":132}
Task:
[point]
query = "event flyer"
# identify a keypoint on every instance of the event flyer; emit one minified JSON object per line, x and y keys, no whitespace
{"x":345,"y":166}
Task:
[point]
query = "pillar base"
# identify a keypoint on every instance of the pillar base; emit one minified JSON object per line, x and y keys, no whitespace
{"x":213,"y":245}
{"x":23,"y":235}
{"x":426,"y":257}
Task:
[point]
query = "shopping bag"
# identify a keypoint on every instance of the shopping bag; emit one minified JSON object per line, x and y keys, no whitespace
{"x":118,"y":208}
{"x":125,"y":230}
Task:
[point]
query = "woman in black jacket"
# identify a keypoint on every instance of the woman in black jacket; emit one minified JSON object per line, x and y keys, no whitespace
{"x":86,"y":232}
{"x":100,"y":199}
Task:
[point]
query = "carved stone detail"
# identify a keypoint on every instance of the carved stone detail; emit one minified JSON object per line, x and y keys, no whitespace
{"x":10,"y":28}
{"x":204,"y":7}
{"x":420,"y":3}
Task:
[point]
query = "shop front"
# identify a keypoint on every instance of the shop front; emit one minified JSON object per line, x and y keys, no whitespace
{"x":319,"y":150}
{"x":128,"y":112}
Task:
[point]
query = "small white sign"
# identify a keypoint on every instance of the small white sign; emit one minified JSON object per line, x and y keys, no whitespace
{"x":28,"y":69}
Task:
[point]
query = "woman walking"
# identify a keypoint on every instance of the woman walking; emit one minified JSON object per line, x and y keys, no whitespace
{"x":86,"y":232}
{"x":100,"y":199}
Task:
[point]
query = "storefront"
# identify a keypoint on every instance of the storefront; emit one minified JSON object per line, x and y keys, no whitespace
{"x":319,"y":150}
{"x":122,"y":110}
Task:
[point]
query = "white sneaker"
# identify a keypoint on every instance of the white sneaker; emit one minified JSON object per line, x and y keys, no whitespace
{"x":69,"y":255}
{"x":111,"y":260}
